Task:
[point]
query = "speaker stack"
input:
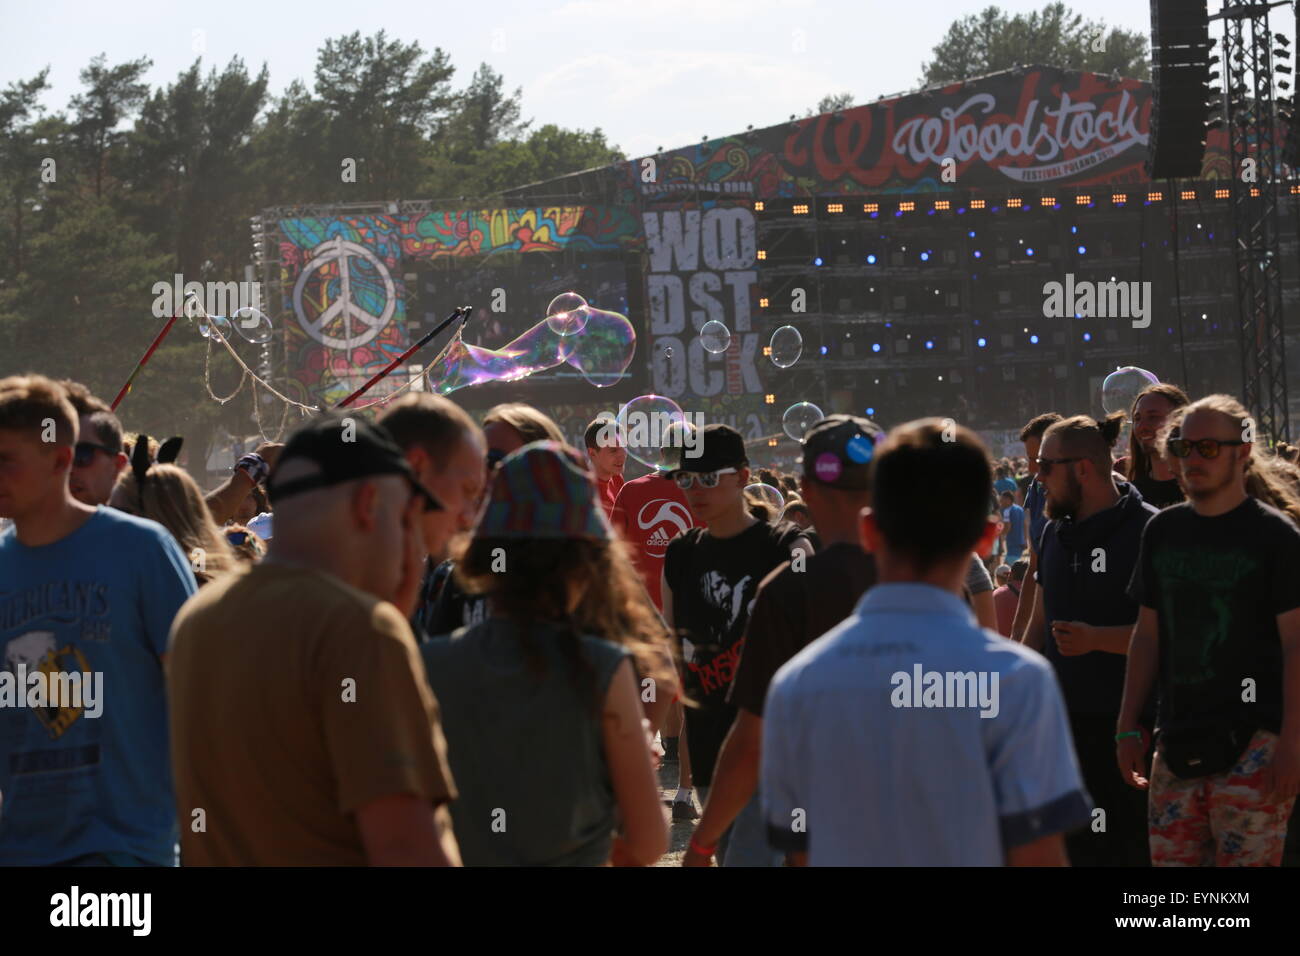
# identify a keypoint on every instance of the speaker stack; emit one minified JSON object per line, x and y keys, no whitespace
{"x":1180,"y":77}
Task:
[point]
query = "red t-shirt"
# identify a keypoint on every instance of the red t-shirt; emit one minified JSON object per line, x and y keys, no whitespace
{"x":650,"y":512}
{"x":609,"y":493}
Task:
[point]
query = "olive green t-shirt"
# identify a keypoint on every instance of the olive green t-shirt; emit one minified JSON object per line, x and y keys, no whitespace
{"x":295,"y":700}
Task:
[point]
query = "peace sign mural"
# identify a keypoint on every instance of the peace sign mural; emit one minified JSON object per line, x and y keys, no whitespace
{"x":342,"y":281}
{"x":345,"y":323}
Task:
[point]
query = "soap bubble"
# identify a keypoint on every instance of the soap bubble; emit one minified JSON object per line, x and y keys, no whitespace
{"x":715,"y":337}
{"x":567,"y":314}
{"x":654,"y":429}
{"x":800,"y":417}
{"x":604,"y":349}
{"x":1121,"y":387}
{"x":252,"y":325}
{"x":602,"y":352}
{"x":208,"y":322}
{"x":786,"y":346}
{"x":766,"y":494}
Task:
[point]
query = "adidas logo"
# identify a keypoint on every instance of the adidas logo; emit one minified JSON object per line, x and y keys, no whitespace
{"x":658,"y":537}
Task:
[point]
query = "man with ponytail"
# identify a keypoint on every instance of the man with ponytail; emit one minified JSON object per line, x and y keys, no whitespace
{"x":1219,"y":630}
{"x":1084,"y":617}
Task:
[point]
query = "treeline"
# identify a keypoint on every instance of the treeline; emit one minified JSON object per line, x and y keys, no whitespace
{"x":129,"y":185}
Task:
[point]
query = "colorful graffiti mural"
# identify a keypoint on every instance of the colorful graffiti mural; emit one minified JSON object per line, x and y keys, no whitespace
{"x":343,"y":279}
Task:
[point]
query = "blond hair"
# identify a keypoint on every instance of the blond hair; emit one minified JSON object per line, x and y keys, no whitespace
{"x":1269,"y":479}
{"x":173,"y":499}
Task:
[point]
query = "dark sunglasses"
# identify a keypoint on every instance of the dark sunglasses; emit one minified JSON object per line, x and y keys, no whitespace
{"x":1207,"y":448}
{"x":1045,"y":464}
{"x":84,"y":453}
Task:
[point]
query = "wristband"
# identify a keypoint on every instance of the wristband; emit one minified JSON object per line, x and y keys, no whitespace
{"x":702,"y":850}
{"x":253,"y":465}
{"x":1128,"y":733}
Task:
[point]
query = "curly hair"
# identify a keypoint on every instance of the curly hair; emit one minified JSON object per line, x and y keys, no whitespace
{"x":535,"y":586}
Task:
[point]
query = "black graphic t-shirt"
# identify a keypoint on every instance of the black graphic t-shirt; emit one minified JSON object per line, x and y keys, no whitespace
{"x":1218,"y":585}
{"x":1161,"y":494}
{"x":713,"y":583}
{"x":443,"y":606}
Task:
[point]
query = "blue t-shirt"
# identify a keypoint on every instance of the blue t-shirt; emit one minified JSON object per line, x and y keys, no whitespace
{"x":99,"y":602}
{"x":863,"y":765}
{"x":1014,"y":516}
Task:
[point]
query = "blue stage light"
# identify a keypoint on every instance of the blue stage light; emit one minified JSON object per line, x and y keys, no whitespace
{"x":871,"y":260}
{"x":1033,"y":340}
{"x":875,"y":346}
{"x":981,"y":342}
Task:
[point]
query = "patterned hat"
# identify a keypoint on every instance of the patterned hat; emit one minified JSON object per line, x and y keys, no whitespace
{"x":543,"y":490}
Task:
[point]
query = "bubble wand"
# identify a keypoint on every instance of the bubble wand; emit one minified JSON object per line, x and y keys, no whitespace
{"x":140,"y":364}
{"x":461,"y":313}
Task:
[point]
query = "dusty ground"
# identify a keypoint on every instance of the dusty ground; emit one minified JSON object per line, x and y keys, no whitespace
{"x":681,"y":831}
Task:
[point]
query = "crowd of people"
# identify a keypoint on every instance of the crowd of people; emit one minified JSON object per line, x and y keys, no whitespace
{"x":421,"y":640}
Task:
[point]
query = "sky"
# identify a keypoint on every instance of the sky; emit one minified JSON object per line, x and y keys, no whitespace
{"x":649,"y":73}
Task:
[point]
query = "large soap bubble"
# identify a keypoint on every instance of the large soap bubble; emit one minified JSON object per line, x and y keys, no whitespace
{"x":766,"y":494}
{"x":567,"y":314}
{"x":602,"y":352}
{"x":654,"y":430}
{"x":1120,"y":388}
{"x":252,"y":325}
{"x":715,"y":337}
{"x":209,"y":322}
{"x":786,"y":346}
{"x":800,"y":417}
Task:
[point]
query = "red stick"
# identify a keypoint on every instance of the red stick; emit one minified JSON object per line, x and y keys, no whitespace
{"x":139,"y":365}
{"x":424,"y":340}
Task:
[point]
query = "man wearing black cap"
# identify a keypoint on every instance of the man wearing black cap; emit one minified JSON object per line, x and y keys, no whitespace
{"x":797,"y":602}
{"x":303,"y":730}
{"x":711,"y":576}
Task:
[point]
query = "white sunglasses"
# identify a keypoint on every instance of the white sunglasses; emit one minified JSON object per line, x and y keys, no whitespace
{"x":707,"y":479}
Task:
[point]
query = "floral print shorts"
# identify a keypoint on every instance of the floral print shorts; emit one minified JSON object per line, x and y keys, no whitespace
{"x":1221,"y":820}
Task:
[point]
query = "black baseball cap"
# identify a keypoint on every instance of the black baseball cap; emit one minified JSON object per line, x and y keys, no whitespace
{"x":344,"y":448}
{"x":717,"y":445}
{"x":837,"y":451}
